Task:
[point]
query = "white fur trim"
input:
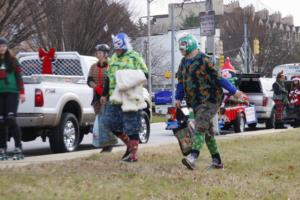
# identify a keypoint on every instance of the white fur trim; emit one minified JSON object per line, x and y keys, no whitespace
{"x":129,"y":78}
{"x":129,"y":90}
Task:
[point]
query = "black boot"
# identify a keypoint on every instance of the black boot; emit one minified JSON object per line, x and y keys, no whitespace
{"x":280,"y":125}
{"x":216,"y":162}
{"x":18,"y":154}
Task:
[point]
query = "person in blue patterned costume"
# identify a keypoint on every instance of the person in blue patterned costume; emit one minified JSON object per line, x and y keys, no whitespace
{"x":124,"y":124}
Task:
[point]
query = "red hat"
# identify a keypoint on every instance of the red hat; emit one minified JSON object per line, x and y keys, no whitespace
{"x":296,"y":78}
{"x":228,"y":66}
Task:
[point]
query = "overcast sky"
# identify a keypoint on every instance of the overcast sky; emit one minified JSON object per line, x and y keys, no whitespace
{"x":286,"y":7}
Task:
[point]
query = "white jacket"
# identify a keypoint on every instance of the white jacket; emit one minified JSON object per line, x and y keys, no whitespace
{"x":129,"y":89}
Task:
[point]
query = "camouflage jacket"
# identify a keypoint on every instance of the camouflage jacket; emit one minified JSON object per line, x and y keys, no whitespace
{"x":200,"y":79}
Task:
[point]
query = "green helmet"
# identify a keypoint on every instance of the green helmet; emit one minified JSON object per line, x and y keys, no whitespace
{"x":188,"y":43}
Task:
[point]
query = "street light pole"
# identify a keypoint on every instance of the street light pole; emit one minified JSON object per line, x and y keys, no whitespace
{"x":62,"y":27}
{"x":173,"y":52}
{"x":246,"y":44}
{"x":210,"y":39}
{"x":211,"y":44}
{"x":148,"y":49}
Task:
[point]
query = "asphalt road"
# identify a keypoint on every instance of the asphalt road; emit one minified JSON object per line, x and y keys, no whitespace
{"x":37,"y":152}
{"x":158,"y":136}
{"x":36,"y":148}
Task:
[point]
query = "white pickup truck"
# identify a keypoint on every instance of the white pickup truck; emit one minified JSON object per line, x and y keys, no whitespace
{"x":58,"y":106}
{"x":260,"y":94}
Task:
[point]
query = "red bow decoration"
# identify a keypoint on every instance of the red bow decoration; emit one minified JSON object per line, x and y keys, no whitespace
{"x":47,"y":58}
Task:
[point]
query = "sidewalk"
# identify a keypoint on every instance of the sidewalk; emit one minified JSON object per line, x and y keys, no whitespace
{"x":86,"y":153}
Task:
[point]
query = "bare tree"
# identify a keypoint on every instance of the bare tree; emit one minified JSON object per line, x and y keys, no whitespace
{"x":142,"y":28}
{"x":159,"y":60}
{"x":274,"y":47}
{"x":79,"y":25}
{"x":15,"y":21}
{"x":191,"y":21}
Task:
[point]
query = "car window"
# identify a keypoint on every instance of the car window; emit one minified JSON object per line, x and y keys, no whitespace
{"x":267,"y":83}
{"x":250,"y":86}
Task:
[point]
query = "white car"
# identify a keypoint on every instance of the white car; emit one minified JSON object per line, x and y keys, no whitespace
{"x":259,"y":91}
{"x":58,"y":106}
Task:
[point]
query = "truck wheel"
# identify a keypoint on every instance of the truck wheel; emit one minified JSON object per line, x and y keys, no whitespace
{"x":145,"y":127}
{"x":239,"y":123}
{"x":297,"y":123}
{"x":270,"y":123}
{"x":65,"y":137}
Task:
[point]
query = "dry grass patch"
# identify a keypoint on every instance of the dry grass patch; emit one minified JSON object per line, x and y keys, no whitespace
{"x":260,"y":167}
{"x":158,"y":118}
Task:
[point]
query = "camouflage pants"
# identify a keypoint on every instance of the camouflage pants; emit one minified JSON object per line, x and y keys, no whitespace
{"x":204,"y":127}
{"x":204,"y":115}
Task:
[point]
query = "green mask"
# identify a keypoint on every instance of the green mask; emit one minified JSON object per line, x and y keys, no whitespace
{"x":188,"y":43}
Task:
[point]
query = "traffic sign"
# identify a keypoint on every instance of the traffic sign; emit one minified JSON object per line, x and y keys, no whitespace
{"x":207,"y":23}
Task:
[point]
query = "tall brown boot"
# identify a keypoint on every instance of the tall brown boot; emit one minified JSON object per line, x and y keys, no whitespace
{"x":134,"y":144}
{"x":124,"y":137}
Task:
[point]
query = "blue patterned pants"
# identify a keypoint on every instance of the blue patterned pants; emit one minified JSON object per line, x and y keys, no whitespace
{"x":117,"y":121}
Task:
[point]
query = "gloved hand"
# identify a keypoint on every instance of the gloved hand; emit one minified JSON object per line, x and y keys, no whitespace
{"x":99,"y":90}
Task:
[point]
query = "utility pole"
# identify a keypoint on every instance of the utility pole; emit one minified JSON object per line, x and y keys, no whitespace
{"x":149,"y":49}
{"x":173,"y":52}
{"x":210,"y":39}
{"x":246,"y":53}
{"x":62,"y":26}
{"x":211,"y":50}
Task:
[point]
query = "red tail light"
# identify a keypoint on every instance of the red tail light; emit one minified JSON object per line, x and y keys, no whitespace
{"x":172,"y":113}
{"x":265,"y":101}
{"x":38,"y":98}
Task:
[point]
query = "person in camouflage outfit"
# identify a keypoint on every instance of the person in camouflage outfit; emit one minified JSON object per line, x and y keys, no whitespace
{"x":200,"y":82}
{"x":125,"y":125}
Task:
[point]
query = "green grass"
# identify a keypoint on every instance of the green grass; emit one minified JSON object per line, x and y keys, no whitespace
{"x":258,"y":167}
{"x":158,"y":118}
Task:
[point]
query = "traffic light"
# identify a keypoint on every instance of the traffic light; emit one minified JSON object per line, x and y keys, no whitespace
{"x":221,"y":60}
{"x":255,"y":46}
{"x":168,"y":74}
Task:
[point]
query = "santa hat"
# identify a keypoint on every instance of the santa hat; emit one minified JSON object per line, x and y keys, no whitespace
{"x":296,"y":78}
{"x":228,"y":66}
